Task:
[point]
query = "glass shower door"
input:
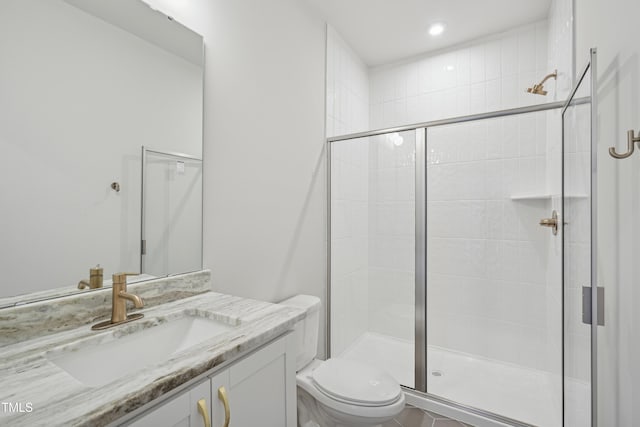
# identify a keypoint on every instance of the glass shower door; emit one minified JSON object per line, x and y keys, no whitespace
{"x":372,"y":251}
{"x":579,"y":282}
{"x":493,"y":273}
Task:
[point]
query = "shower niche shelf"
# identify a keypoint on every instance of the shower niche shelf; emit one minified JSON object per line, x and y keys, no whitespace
{"x":544,"y":196}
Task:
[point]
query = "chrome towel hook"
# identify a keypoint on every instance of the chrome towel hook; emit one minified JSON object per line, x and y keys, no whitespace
{"x":631,"y":140}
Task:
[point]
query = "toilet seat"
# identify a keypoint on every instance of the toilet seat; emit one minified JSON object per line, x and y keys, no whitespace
{"x":355,"y":383}
{"x":343,"y":408}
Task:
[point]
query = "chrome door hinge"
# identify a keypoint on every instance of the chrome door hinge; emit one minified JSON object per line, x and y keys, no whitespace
{"x":143,"y":247}
{"x":586,"y":305}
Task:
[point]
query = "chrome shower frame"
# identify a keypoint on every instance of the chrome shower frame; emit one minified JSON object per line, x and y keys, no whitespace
{"x":421,"y":128}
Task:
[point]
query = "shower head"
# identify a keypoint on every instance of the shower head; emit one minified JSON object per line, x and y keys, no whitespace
{"x":539,"y":88}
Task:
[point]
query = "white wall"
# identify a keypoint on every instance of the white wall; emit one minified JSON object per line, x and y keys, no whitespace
{"x":264,"y":164}
{"x":612,"y":28}
{"x":77,"y":104}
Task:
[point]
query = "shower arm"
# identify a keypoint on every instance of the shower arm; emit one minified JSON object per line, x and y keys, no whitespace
{"x":548,"y":76}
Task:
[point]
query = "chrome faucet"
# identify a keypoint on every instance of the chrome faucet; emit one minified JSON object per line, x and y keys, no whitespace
{"x":119,"y":299}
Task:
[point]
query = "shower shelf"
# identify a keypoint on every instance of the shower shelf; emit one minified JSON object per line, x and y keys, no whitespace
{"x":544,"y":196}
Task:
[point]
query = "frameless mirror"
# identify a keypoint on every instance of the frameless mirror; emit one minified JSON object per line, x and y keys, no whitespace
{"x":84,"y":85}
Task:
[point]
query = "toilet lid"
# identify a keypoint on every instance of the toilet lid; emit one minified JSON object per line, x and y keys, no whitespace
{"x":356,"y":383}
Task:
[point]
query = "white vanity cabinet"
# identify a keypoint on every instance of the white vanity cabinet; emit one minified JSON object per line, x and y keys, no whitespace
{"x":181,"y":411}
{"x":260,"y":390}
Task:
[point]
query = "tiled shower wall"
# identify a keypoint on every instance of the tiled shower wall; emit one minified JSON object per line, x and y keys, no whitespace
{"x":392,"y":235}
{"x":349,"y":243}
{"x":347,"y":112}
{"x":486,"y":75}
{"x":490,"y":74}
{"x":347,"y":88}
{"x":486,"y":253}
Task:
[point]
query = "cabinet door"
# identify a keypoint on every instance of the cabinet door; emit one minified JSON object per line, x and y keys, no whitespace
{"x":220,"y":392}
{"x":200,"y":405}
{"x":181,"y":411}
{"x":261,"y":388}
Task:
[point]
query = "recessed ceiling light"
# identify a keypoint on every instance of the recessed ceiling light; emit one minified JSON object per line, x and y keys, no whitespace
{"x":436,"y":29}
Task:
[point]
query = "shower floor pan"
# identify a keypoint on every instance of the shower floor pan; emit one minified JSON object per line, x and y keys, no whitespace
{"x":513,"y":391}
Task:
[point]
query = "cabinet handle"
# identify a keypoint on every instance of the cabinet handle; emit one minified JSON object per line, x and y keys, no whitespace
{"x":222,"y":395}
{"x":202,"y":408}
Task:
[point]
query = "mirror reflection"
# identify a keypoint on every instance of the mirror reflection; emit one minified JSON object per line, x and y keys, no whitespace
{"x":85,"y":84}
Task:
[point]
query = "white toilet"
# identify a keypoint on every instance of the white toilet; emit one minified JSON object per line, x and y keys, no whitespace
{"x":338,"y":392}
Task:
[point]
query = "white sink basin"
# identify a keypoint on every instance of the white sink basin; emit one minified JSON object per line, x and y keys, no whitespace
{"x":100,"y":363}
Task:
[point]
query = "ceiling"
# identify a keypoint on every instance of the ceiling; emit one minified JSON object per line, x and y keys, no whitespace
{"x":383,"y":31}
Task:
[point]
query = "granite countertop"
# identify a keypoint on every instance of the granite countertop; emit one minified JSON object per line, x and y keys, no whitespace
{"x":27,"y":376}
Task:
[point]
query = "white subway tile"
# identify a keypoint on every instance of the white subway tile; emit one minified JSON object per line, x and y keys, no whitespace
{"x":527,"y":50}
{"x":375,"y":87}
{"x":510,"y":261}
{"x":449,"y":102}
{"x":495,"y":188}
{"x":501,"y":341}
{"x":533,"y":264}
{"x":494,"y":138}
{"x":400,"y":78}
{"x":494,"y":224}
{"x":493,"y":60}
{"x":425,"y":75}
{"x":510,"y":134}
{"x":477,"y":63}
{"x":412,"y":80}
{"x":415,"y":112}
{"x":527,"y":176}
{"x":509,"y":56}
{"x":463,"y":70}
{"x":510,"y":91}
{"x":527,"y":135}
{"x":376,"y":115}
{"x":542,"y":29}
{"x":494,"y":95}
{"x":463,"y":100}
{"x":533,"y":348}
{"x":478,"y":98}
{"x":388,"y":87}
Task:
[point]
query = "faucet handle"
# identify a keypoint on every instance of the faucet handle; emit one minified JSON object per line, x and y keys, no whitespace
{"x":121,"y":278}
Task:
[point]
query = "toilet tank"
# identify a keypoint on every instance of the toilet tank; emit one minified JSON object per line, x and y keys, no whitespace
{"x":306,"y":330}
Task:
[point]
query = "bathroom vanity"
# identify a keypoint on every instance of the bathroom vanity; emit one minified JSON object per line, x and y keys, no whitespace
{"x":253,"y":391}
{"x":193,"y":353}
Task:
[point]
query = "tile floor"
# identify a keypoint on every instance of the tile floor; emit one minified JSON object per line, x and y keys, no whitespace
{"x":415,"y":417}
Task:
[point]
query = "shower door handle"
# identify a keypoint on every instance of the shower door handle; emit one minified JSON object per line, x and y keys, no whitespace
{"x":551,"y":222}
